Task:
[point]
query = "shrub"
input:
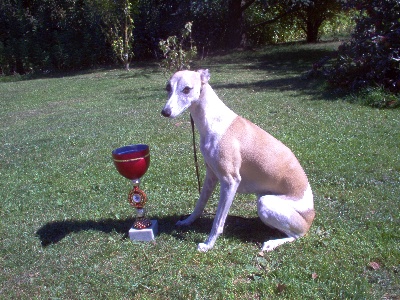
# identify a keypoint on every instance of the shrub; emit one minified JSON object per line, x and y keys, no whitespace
{"x":178,"y":52}
{"x":372,"y":56}
{"x":375,"y":97}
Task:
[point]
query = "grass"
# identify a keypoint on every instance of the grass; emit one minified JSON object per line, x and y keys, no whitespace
{"x":64,"y":214}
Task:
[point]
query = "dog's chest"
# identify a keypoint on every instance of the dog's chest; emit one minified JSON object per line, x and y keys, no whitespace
{"x":209,"y":146}
{"x":212,"y":118}
{"x":210,"y":138}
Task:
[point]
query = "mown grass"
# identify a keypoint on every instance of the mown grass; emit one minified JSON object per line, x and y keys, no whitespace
{"x":64,"y":214}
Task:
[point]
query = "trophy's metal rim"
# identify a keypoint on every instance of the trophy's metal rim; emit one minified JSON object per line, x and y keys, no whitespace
{"x":133,"y":148}
{"x":131,"y":159}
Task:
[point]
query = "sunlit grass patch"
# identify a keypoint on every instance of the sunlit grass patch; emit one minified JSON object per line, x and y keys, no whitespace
{"x":64,"y":213}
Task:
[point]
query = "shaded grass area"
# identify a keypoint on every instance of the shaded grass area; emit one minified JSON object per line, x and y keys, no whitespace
{"x":63,"y":208}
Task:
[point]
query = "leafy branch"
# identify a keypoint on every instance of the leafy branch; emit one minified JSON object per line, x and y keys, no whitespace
{"x":178,"y":52}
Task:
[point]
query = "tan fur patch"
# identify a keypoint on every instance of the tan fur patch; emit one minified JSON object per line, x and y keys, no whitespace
{"x":264,"y":164}
{"x":308,"y":216}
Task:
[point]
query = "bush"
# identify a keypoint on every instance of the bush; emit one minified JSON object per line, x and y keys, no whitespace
{"x":375,"y":97}
{"x":178,"y":52}
{"x":372,"y":56}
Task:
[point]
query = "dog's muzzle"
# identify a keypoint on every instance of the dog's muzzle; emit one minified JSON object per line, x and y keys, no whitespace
{"x":166,"y":112}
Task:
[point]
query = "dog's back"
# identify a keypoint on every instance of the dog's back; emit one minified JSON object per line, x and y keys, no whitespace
{"x":266,"y":164}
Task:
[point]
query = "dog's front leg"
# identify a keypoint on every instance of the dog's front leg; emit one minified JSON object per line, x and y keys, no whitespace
{"x":227,"y":194}
{"x":210,"y":182}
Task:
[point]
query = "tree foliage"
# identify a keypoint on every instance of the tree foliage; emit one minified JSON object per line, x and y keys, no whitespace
{"x":117,"y":25}
{"x":277,"y":21}
{"x":311,"y":16}
{"x":49,"y":34}
{"x":372,"y":56}
{"x":45,"y":35}
{"x":157,"y":20}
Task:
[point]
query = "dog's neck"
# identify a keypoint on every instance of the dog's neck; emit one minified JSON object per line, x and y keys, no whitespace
{"x":210,"y":114}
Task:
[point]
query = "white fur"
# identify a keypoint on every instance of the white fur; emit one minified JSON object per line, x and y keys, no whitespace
{"x":243,"y":158}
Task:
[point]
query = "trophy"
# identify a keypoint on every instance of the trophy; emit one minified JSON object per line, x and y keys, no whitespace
{"x":132,"y":162}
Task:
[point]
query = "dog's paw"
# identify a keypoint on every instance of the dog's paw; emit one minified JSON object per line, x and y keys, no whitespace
{"x":270,"y":245}
{"x":202,"y":247}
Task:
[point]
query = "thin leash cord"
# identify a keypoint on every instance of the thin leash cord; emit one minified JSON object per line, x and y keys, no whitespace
{"x":195,"y":154}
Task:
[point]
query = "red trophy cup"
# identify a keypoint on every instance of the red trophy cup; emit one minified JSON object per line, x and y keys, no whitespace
{"x":132,"y":162}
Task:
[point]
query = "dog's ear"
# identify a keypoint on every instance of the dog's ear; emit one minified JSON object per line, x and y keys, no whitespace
{"x":204,"y":75}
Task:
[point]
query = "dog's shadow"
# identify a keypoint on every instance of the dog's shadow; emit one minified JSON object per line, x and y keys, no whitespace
{"x":246,"y":229}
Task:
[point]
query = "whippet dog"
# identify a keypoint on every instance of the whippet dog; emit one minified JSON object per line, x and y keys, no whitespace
{"x":244,"y":159}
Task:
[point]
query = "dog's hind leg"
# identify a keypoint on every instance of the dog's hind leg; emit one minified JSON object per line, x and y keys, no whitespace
{"x":210,"y":182}
{"x":292,"y":217}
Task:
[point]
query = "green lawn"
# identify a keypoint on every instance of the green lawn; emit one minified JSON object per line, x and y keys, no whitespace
{"x":64,"y":215}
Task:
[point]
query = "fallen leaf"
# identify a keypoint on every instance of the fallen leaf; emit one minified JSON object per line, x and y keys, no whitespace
{"x":374,"y":265}
{"x":280,"y":287}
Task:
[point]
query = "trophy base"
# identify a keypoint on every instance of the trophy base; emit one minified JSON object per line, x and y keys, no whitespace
{"x":146,"y":234}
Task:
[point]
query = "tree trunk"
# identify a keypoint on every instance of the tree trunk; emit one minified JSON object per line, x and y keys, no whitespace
{"x":313,"y":23}
{"x":19,"y":66}
{"x":126,"y":61}
{"x":312,"y":32}
{"x":236,"y":31}
{"x":235,"y":24}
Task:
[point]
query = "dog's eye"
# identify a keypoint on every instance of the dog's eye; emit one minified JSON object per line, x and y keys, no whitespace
{"x":186,"y":90}
{"x":168,"y":88}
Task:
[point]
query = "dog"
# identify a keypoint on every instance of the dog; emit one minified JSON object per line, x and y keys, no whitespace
{"x":244,"y":159}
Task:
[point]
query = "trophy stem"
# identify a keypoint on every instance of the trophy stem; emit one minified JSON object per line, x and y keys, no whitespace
{"x":136,"y":182}
{"x":137,"y":198}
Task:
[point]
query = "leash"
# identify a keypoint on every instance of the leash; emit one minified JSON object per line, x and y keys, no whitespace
{"x":196,"y":164}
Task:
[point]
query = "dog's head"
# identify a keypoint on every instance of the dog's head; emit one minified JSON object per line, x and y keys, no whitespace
{"x":183,"y":89}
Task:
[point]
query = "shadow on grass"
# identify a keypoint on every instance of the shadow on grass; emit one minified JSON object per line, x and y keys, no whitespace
{"x":246,"y":229}
{"x":315,"y":87}
{"x":286,"y":69}
{"x":138,"y":69}
{"x":277,"y":59}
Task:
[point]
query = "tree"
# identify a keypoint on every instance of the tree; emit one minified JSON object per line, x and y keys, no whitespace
{"x":236,"y":27}
{"x":308,"y":15}
{"x":312,"y":15}
{"x":16,"y":27}
{"x":49,"y":35}
{"x":158,"y":19}
{"x":117,"y":25}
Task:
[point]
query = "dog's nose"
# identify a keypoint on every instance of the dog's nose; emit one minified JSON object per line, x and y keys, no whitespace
{"x":166,"y":112}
